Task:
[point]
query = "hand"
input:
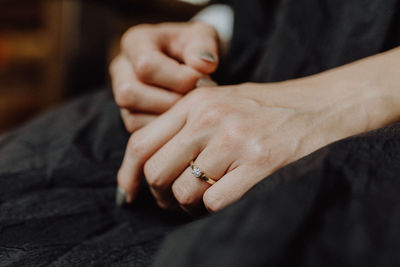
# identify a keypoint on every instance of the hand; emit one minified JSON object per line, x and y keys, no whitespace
{"x":158,"y":64}
{"x":236,"y":135}
{"x":240,"y":134}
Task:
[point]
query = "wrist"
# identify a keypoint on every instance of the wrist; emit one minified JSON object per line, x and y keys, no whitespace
{"x":349,"y":100}
{"x":369,"y":88}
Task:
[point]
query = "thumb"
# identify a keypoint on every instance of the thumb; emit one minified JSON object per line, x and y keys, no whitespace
{"x":201,"y":51}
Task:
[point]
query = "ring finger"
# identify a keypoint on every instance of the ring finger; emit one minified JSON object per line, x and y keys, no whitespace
{"x":188,"y":189}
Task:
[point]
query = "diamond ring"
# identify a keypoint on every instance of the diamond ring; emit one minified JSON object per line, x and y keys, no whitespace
{"x":200,"y":174}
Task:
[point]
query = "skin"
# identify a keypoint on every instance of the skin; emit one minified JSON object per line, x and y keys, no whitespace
{"x":240,"y":134}
{"x":158,"y":64}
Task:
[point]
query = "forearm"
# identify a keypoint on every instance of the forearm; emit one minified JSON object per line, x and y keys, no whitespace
{"x":370,"y":88}
{"x":365,"y":93}
{"x":345,"y":101}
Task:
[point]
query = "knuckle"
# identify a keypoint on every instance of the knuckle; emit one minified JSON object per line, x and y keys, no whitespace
{"x":130,"y":124}
{"x":230,"y":142}
{"x":213,"y":201}
{"x":211,"y":114}
{"x":261,"y":154}
{"x":130,"y":36}
{"x":127,"y":37}
{"x":153,"y":176}
{"x":233,"y":138}
{"x":144,"y":67}
{"x":125,"y":96}
{"x":236,"y":130}
{"x":156,"y":182}
{"x":136,"y":146}
{"x":182,"y":195}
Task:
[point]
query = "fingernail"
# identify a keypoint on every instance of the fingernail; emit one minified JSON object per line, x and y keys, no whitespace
{"x":205,"y":82}
{"x":120,"y":196}
{"x":207,"y":56}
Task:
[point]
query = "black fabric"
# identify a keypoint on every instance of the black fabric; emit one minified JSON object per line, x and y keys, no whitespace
{"x":336,"y":207}
{"x":277,"y":40}
{"x":57,"y":192}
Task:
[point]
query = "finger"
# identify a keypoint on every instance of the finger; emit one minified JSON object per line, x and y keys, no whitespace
{"x":201,"y":51}
{"x":199,"y":48}
{"x":153,"y":67}
{"x":135,"y":121}
{"x":188,"y":190}
{"x":143,"y":143}
{"x":132,"y":94}
{"x":230,"y":188}
{"x":169,"y":162}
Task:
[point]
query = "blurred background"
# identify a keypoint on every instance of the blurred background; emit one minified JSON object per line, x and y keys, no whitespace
{"x":53,"y":50}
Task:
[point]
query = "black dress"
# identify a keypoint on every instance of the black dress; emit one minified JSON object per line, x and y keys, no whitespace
{"x":339,"y":206}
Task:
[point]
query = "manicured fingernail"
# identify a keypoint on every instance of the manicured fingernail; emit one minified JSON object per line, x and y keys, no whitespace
{"x":205,"y":82}
{"x":207,"y":56}
{"x":120,"y":196}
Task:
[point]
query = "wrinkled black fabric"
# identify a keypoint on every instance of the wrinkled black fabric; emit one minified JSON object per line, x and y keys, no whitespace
{"x":336,"y":207}
{"x":57,"y":191}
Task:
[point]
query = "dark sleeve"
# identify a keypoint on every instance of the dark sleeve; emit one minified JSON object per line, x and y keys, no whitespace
{"x":281,"y":40}
{"x":253,"y":22}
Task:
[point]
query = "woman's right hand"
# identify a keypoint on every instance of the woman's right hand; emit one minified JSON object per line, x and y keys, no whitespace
{"x":158,"y":64}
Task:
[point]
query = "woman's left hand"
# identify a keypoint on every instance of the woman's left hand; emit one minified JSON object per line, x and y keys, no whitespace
{"x":238,"y":135}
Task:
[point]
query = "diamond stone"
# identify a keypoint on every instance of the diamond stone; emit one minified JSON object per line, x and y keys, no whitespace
{"x":196,"y":172}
